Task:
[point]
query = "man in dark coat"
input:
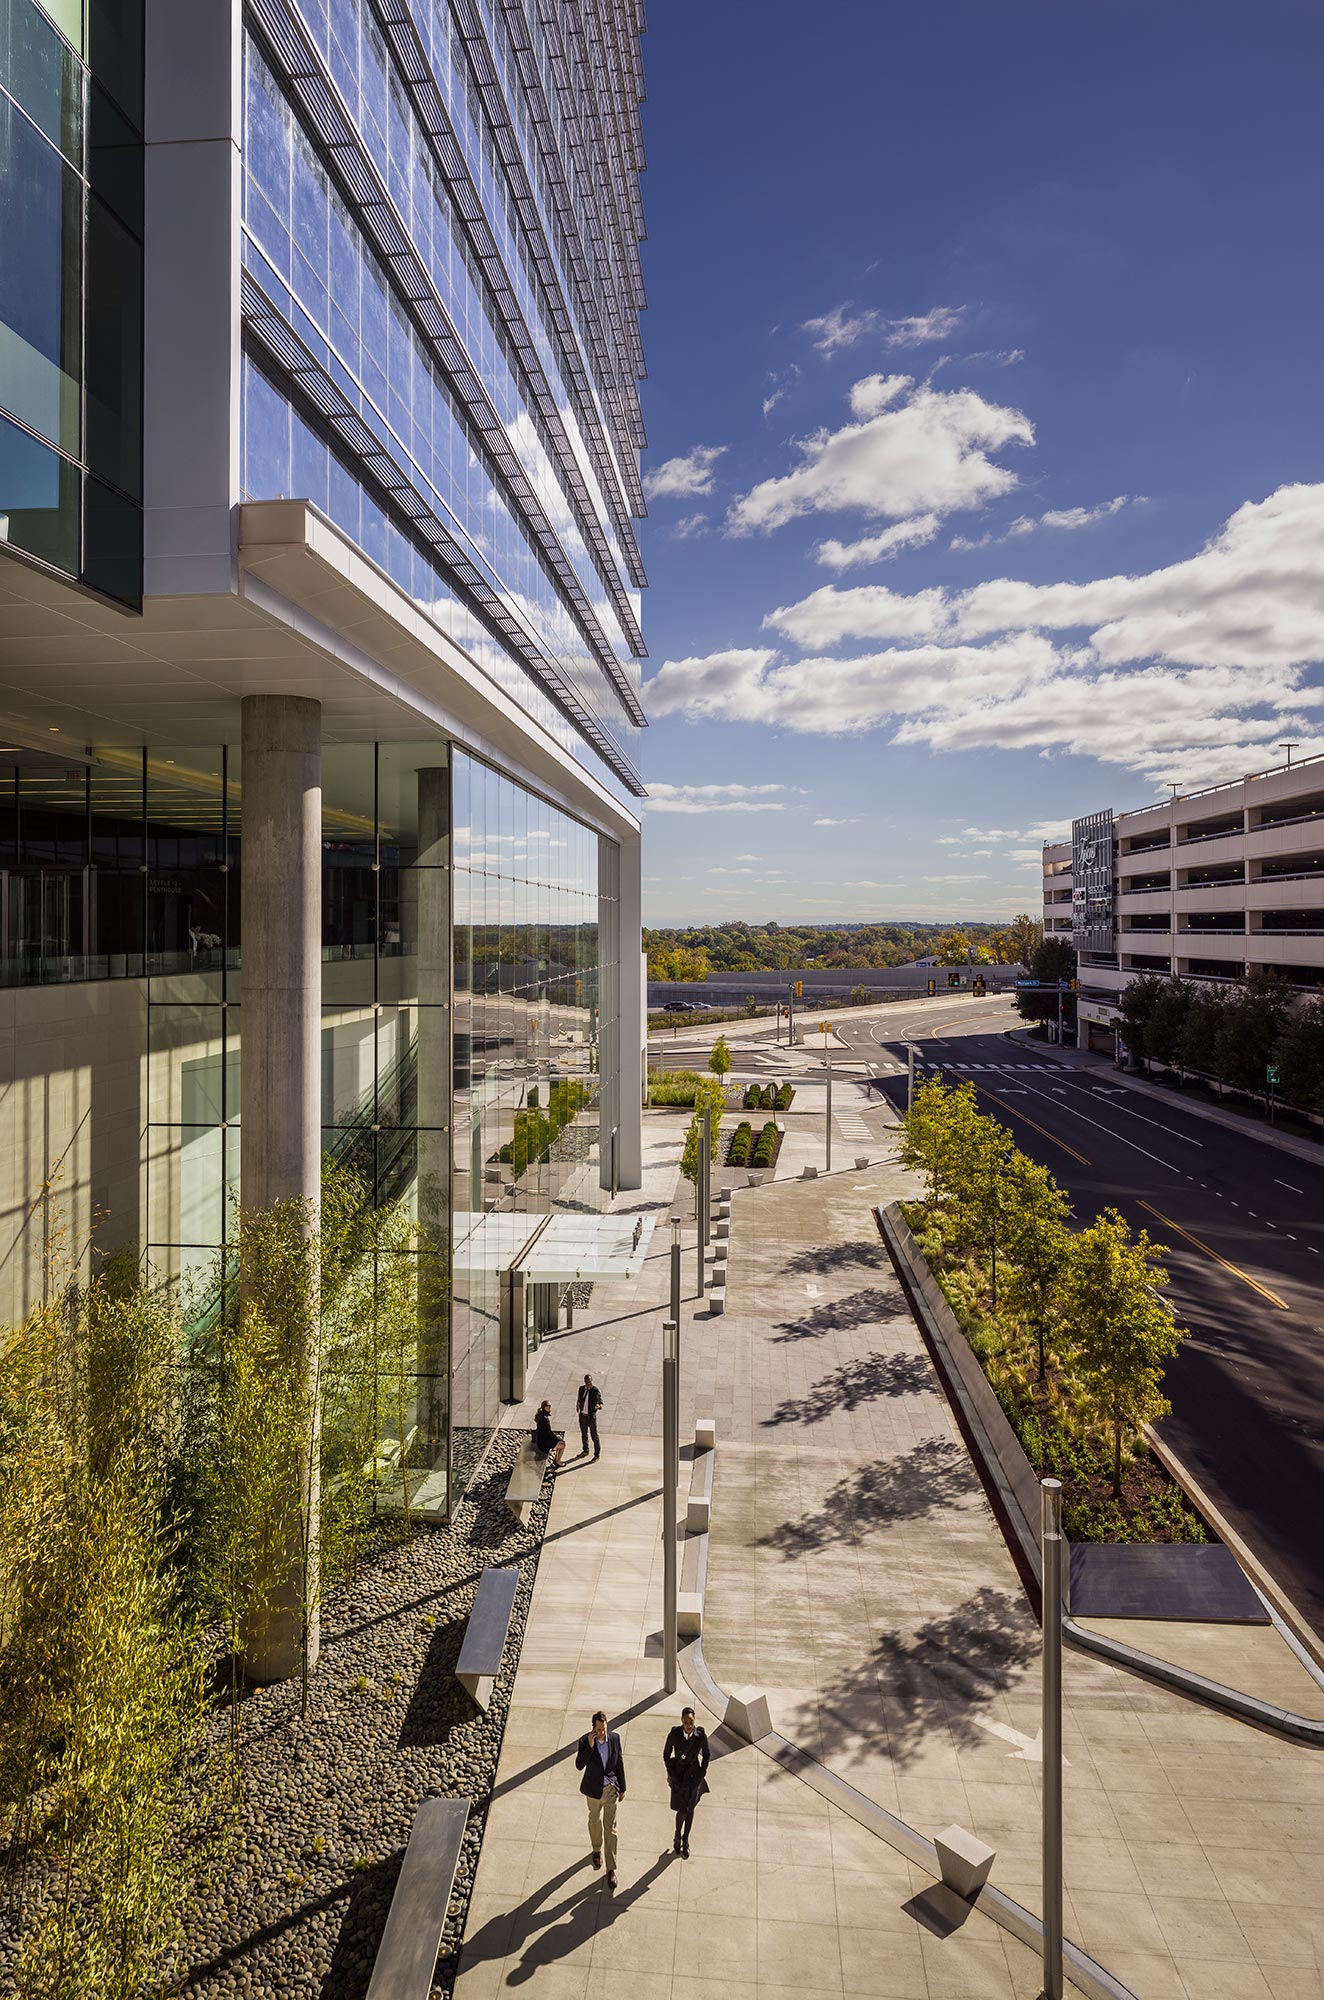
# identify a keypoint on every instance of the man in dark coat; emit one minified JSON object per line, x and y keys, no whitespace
{"x":686,"y":1758}
{"x":601,"y":1759}
{"x":587,"y":1405}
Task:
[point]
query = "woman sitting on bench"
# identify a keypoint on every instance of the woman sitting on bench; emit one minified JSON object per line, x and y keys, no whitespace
{"x":545,"y":1439}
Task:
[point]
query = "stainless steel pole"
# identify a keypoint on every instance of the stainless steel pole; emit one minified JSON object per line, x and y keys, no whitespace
{"x":670,"y":1457}
{"x":675,"y":1269}
{"x":706,"y":1163}
{"x":698,"y":1215}
{"x":828,"y":1132}
{"x":1052,"y":1736}
{"x":910,"y":1076}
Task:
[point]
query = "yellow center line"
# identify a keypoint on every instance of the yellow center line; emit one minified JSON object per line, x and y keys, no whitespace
{"x":1235,"y":1269}
{"x":1016,"y":1112}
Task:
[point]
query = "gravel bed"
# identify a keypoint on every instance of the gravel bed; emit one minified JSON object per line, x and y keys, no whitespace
{"x":298,"y":1907}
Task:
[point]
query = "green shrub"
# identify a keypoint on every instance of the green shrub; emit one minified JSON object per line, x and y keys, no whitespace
{"x":741,"y":1141}
{"x":676,"y":1086}
{"x":751,"y":1097}
{"x":784,"y":1097}
{"x":765,"y":1146}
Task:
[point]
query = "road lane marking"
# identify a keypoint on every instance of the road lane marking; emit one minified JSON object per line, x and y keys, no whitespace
{"x":1289,"y":1187}
{"x":1235,"y":1269}
{"x":1157,"y":1123}
{"x":1109,"y":1133}
{"x":1045,"y":1133}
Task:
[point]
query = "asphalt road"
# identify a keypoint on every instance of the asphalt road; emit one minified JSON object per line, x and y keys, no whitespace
{"x":1244,"y":1227}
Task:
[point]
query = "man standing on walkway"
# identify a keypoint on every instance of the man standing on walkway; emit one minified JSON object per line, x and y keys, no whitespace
{"x":588,"y":1405}
{"x":602,"y":1761}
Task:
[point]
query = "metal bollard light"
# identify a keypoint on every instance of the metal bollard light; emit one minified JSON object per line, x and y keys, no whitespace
{"x":1052,"y":1546}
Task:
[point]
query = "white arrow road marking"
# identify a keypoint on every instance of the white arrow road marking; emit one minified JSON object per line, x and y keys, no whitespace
{"x":1030,"y":1749}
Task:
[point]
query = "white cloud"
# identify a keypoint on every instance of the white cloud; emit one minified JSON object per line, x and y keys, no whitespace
{"x":922,"y":328}
{"x":747,"y":857}
{"x":882,"y":547}
{"x":843,"y":328}
{"x":713,"y":798}
{"x":838,"y":822}
{"x":782,"y":385}
{"x":1001,"y":357}
{"x":957,"y":878}
{"x":1056,"y":517}
{"x":926,"y":454}
{"x":689,"y":525}
{"x":678,"y":478}
{"x":1193,"y":671}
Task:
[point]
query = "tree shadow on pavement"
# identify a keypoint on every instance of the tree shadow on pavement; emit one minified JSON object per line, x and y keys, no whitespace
{"x":867,"y":1308}
{"x":824,"y":1259}
{"x":862,"y":1380}
{"x":930,"y":1687}
{"x":935,"y":1473}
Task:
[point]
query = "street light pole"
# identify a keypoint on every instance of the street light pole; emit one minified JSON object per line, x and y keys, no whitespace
{"x":1051,"y":1490}
{"x":670,"y":1457}
{"x":675,"y":1268}
{"x":828,"y":1129}
{"x":910,"y":1076}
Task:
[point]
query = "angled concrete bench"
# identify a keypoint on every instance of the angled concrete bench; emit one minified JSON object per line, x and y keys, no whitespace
{"x":486,"y":1633}
{"x":699,"y":1506}
{"x":407,"y":1955}
{"x":525,"y":1482}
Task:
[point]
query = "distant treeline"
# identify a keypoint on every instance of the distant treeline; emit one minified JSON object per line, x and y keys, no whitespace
{"x":694,"y":952}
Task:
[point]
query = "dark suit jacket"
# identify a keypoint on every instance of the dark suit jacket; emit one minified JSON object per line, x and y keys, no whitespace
{"x":589,"y":1761}
{"x":589,"y":1400}
{"x":686,"y":1759}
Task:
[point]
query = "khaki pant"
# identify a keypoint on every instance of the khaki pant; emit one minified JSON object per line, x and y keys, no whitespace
{"x":602,"y":1826}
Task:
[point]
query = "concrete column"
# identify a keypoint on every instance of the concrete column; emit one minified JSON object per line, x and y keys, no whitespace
{"x":631,"y":1037}
{"x":280,"y":1157}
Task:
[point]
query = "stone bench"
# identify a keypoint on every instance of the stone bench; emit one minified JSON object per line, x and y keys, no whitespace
{"x":525,"y":1482}
{"x":699,"y":1507}
{"x":705,"y":1434}
{"x":486,"y":1633}
{"x":717,"y":1298}
{"x":407,"y":1955}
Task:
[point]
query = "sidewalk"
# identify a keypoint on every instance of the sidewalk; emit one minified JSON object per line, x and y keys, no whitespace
{"x":857,"y":1577}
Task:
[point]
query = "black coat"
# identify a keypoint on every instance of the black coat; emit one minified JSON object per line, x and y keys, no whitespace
{"x":589,"y":1762}
{"x":686,"y":1759}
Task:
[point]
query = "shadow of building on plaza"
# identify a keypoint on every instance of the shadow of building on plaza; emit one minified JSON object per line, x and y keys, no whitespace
{"x":933,"y":1685}
{"x":864,"y":1308}
{"x":866,"y":1378}
{"x":934,"y":1474}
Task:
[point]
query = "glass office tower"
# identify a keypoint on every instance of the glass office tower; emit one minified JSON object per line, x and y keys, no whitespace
{"x":378,"y":433}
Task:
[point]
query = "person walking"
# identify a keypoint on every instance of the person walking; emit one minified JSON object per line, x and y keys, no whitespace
{"x":602,"y":1761}
{"x":588,"y":1404}
{"x":546,"y":1441}
{"x":686,"y":1757}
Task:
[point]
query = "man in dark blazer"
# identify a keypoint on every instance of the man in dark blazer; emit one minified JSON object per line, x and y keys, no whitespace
{"x":587,"y":1405}
{"x":600,"y":1758}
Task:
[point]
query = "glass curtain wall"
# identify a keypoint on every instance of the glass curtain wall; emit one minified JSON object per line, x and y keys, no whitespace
{"x":71,"y":339}
{"x":529,"y":983}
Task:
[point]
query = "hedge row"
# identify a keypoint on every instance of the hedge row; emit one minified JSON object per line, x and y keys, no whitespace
{"x":768,"y":1097}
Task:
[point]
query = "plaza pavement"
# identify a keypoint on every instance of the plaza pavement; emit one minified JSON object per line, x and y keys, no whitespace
{"x":858,"y":1578}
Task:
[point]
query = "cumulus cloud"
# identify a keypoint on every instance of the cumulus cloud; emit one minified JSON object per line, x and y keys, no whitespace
{"x":1056,"y":517}
{"x":1190,"y":671}
{"x":881,"y":547}
{"x":911,"y":450}
{"x":714,"y":798}
{"x":844,"y":328}
{"x":689,"y":525}
{"x":678,"y":478}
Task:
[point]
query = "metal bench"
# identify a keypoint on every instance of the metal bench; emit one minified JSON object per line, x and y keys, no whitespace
{"x":525,"y":1482}
{"x":486,"y":1633}
{"x":407,"y":1955}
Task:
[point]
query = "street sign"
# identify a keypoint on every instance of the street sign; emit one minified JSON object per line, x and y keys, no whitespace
{"x":1272,"y":1073}
{"x":1048,"y":985}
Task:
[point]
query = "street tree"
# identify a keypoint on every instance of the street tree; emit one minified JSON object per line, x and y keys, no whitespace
{"x":1192,"y":1029}
{"x":1052,"y":960}
{"x":1017,"y":944}
{"x":708,"y":1091}
{"x":719,"y":1062}
{"x":1167,"y":1021}
{"x":939,"y":1126}
{"x":1038,"y":1247}
{"x":1299,"y":1054}
{"x":1256,"y":1014}
{"x":1121,"y":1332}
{"x":1136,"y":1006}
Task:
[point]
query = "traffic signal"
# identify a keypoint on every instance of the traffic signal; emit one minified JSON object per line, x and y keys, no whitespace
{"x":953,"y":979}
{"x":979,"y":988}
{"x":933,"y":987}
{"x":799,"y":989}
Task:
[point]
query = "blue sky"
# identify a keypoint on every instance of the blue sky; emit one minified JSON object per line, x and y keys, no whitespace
{"x":954,"y":305}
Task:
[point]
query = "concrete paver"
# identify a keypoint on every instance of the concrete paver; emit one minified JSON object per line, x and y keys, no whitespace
{"x":857,"y":1577}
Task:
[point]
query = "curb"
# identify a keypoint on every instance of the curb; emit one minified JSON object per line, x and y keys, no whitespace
{"x":1305,"y":1729}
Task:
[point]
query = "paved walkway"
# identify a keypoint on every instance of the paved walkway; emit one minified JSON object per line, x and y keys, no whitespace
{"x":858,"y":1578}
